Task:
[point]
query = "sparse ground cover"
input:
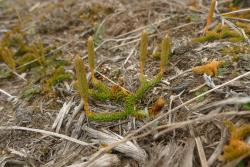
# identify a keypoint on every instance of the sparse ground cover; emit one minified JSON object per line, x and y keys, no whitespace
{"x":168,"y":83}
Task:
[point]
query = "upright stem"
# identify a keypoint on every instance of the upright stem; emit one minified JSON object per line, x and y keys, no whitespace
{"x":210,"y":15}
{"x":82,"y":83}
{"x":143,"y":51}
{"x":91,"y":56}
{"x":165,"y":52}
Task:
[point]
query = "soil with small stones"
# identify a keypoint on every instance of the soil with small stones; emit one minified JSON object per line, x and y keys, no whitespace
{"x":116,"y":27}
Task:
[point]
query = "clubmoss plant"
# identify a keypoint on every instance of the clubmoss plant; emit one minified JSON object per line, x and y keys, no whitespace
{"x":220,"y":32}
{"x":143,"y":51}
{"x":7,"y":56}
{"x":37,"y":51}
{"x":165,"y":52}
{"x":91,"y":56}
{"x":210,"y":15}
{"x":102,"y":92}
{"x":82,"y":83}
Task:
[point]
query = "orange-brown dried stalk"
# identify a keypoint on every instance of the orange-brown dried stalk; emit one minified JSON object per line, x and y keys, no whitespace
{"x":237,"y":146}
{"x":157,"y":106}
{"x":209,"y":69}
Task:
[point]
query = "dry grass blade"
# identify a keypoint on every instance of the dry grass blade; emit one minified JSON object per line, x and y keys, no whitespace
{"x":10,"y":97}
{"x":46,"y":133}
{"x":72,"y":117}
{"x":219,"y":148}
{"x":201,"y":152}
{"x":233,"y":100}
{"x":128,"y":148}
{"x":236,"y":11}
{"x":165,"y":155}
{"x":107,"y":160}
{"x":170,"y":127}
{"x":187,"y":160}
{"x":62,"y":113}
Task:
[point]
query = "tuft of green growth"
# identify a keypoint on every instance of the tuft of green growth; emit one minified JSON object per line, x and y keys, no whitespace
{"x":57,"y":76}
{"x":143,"y":51}
{"x":224,"y":68}
{"x":144,"y":87}
{"x":5,"y":74}
{"x":37,"y":51}
{"x":14,"y":43}
{"x":165,"y":52}
{"x":235,"y":51}
{"x":7,"y":56}
{"x":28,"y":94}
{"x":129,"y":103}
{"x":13,"y":38}
{"x":91,"y":56}
{"x":244,"y":26}
{"x":156,"y":54}
{"x":102,"y":92}
{"x":246,"y":106}
{"x":198,"y":92}
{"x":209,"y":37}
{"x":218,"y":33}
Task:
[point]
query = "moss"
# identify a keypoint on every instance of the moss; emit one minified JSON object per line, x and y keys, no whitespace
{"x":235,"y":51}
{"x":5,"y":74}
{"x":102,"y":92}
{"x":220,"y":32}
{"x":245,"y":26}
{"x":7,"y":56}
{"x":25,"y":59}
{"x":108,"y":116}
{"x":57,"y":76}
{"x":130,"y":103}
{"x":246,"y":107}
{"x":38,"y":52}
{"x":202,"y":90}
{"x":224,"y":68}
{"x":209,"y":37}
{"x":13,"y":38}
{"x":29,"y":93}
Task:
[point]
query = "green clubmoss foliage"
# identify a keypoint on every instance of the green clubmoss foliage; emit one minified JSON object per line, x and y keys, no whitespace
{"x":222,"y":32}
{"x":102,"y":92}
